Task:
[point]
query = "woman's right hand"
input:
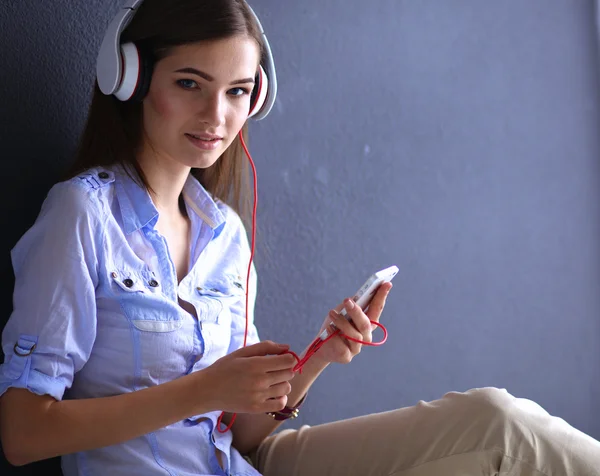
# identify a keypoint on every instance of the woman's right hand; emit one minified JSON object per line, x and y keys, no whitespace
{"x":253,"y":379}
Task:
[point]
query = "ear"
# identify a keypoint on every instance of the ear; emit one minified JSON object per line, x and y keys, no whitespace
{"x":259,"y":92}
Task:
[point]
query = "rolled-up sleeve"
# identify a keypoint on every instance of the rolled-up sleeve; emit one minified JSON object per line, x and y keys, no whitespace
{"x":52,"y":329}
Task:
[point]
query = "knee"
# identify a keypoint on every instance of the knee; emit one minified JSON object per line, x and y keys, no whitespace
{"x":492,"y":405}
{"x":490,"y":397}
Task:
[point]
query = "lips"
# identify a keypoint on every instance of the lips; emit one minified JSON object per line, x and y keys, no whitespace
{"x":205,"y":137}
{"x":205,"y":141}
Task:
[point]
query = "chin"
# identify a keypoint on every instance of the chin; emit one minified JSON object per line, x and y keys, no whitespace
{"x":204,"y":161}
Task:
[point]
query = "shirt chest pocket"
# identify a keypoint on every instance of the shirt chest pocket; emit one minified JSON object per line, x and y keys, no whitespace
{"x":160,"y":335}
{"x":214,"y":301}
{"x":141,"y":299}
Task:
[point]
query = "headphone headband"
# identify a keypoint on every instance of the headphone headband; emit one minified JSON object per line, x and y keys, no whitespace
{"x":270,"y":70}
{"x":109,"y":67}
{"x":117,"y":73}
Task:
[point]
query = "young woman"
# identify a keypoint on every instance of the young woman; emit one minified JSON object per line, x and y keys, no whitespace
{"x":128,"y":337}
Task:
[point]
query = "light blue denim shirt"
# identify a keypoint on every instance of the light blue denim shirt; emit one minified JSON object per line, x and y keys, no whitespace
{"x":96,"y":314}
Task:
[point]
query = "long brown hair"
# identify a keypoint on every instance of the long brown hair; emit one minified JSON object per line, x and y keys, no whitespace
{"x":113,"y":130}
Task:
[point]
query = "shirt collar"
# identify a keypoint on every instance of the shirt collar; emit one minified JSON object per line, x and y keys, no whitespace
{"x":138,"y":210}
{"x":201,"y":203}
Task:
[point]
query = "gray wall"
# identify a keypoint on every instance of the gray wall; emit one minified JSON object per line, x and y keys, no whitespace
{"x":458,"y":140}
{"x":454,"y":138}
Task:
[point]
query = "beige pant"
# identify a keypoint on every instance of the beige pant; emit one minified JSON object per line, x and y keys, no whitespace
{"x":480,"y":432}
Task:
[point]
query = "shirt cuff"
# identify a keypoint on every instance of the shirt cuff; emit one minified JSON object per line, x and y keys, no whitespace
{"x":16,"y":372}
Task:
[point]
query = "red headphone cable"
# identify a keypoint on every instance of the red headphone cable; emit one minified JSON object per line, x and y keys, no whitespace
{"x":318,"y":342}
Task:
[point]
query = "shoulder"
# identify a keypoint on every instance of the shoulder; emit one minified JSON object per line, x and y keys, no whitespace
{"x":80,"y":196}
{"x":94,"y":179}
{"x":71,"y":218}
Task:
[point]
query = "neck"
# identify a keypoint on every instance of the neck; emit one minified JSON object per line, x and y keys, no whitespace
{"x":166,"y":178}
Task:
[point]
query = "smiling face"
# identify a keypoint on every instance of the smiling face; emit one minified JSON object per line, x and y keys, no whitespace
{"x":198,"y":101}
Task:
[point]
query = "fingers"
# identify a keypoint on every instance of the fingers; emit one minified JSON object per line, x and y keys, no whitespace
{"x":267,"y":356}
{"x":275,"y":404}
{"x":274,"y":378}
{"x":347,"y":329}
{"x":273,"y":363}
{"x":279,"y":390}
{"x":265,"y":347}
{"x":359,"y":319}
{"x":378,"y":302}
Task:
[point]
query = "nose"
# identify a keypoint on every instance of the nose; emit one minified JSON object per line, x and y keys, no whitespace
{"x":213,"y":110}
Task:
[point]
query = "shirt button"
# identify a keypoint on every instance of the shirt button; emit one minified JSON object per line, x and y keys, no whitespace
{"x":103,"y":175}
{"x":113,"y":275}
{"x":128,"y":282}
{"x":153,"y":283}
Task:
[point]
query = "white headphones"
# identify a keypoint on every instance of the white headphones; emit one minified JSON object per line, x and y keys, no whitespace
{"x":125,"y":71}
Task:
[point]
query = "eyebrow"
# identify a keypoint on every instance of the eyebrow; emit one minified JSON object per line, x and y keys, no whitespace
{"x":208,"y":77}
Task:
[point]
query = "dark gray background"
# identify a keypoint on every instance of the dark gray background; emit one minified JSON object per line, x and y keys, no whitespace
{"x":457,"y":139}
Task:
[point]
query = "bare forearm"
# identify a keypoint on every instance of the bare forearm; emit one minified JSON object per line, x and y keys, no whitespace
{"x":249,"y":430}
{"x":57,"y":428}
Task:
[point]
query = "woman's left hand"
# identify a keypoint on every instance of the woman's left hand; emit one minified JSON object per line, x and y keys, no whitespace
{"x":341,"y":350}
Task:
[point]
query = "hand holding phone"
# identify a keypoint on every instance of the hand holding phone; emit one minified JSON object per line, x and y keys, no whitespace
{"x":365,"y":293}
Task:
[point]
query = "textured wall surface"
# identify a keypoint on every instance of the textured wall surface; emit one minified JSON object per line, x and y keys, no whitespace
{"x":455,"y":138}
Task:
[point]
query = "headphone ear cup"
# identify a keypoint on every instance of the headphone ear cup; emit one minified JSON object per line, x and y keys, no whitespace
{"x":259,"y":92}
{"x":145,"y":75}
{"x":137,"y":66}
{"x":130,"y":67}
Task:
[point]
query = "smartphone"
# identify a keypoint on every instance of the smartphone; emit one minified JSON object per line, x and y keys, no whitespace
{"x":365,"y":293}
